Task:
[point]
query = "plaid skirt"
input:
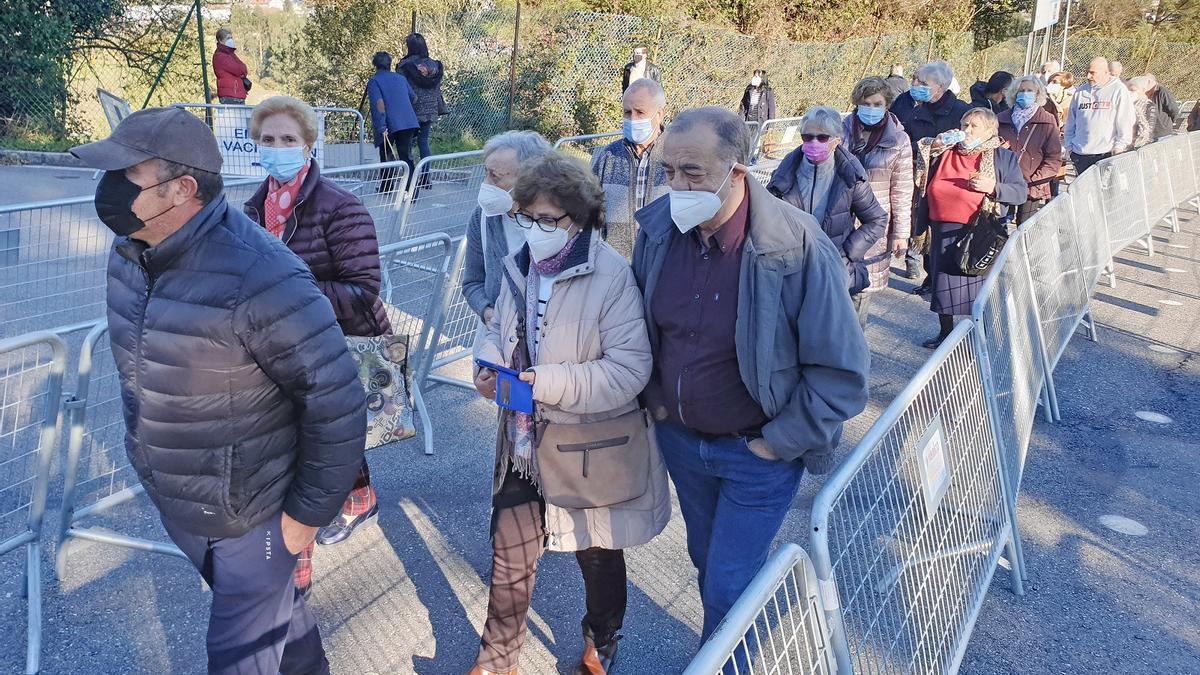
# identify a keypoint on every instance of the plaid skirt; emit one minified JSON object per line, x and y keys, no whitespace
{"x":952,"y":293}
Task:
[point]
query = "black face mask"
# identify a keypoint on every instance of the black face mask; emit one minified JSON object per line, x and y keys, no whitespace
{"x":115,"y":195}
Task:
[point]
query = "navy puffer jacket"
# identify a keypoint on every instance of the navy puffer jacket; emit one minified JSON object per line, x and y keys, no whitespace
{"x":239,"y":395}
{"x":854,"y":221}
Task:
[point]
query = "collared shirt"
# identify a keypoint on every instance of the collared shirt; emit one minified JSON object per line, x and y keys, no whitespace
{"x":695,"y":308}
{"x":641,"y":184}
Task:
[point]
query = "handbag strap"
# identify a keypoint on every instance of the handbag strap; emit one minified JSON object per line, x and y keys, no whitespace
{"x":360,"y":304}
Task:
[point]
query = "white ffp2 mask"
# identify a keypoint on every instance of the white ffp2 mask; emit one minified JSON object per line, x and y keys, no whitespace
{"x":544,"y":245}
{"x":689,"y":208}
{"x":494,"y":201}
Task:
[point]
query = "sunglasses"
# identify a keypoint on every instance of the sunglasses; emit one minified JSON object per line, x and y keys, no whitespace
{"x":824,"y":138}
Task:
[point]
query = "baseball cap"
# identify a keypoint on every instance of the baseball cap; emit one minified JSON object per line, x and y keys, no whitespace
{"x":171,"y":134}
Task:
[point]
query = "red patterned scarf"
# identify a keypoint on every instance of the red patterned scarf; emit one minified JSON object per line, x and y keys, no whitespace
{"x":281,"y":201}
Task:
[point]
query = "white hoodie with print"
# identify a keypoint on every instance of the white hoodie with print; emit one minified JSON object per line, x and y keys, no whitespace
{"x":1101,"y":119}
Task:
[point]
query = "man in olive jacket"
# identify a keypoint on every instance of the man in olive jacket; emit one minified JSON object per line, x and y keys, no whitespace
{"x":758,"y":353}
{"x":245,"y":419}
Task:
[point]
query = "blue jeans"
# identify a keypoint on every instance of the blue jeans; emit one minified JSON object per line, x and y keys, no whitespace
{"x":733,"y":503}
{"x":422,"y":138}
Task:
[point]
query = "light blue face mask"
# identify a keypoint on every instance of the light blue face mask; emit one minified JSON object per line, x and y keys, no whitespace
{"x":638,"y":131}
{"x":282,"y":163}
{"x":920,"y":93}
{"x":970,"y":145}
{"x":1026,"y":99}
{"x":870,"y":115}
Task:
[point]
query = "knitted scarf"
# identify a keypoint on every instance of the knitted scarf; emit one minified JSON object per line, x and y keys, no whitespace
{"x":524,"y":427}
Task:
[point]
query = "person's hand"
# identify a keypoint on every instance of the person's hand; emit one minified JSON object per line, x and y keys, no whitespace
{"x":488,"y":314}
{"x":899,"y":248}
{"x":296,"y":535}
{"x":762,"y":449}
{"x":485,"y":383}
{"x":528,"y":376}
{"x":983,"y":184}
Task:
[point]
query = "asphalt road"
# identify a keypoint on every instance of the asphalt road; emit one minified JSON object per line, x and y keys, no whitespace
{"x":409,"y":595}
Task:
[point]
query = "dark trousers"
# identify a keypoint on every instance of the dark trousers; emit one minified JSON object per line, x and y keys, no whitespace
{"x":259,"y":622}
{"x":1084,"y":162}
{"x":1026,"y":210}
{"x":229,"y":100}
{"x":733,"y":503}
{"x":399,"y":149}
{"x":862,"y":307}
{"x":517,"y":544}
{"x":422,"y":139}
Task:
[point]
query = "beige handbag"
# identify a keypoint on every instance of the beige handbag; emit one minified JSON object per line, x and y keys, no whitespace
{"x":596,"y":464}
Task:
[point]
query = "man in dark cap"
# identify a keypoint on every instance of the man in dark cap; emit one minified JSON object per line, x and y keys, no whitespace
{"x":991,"y":94}
{"x":245,"y":420}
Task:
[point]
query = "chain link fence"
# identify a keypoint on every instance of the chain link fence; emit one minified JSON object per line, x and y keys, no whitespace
{"x":568,"y":68}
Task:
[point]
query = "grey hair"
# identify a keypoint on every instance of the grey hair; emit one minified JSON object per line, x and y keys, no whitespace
{"x":731,"y":132}
{"x":527,"y":145}
{"x":1055,"y":66}
{"x":649,"y":86}
{"x":939,"y":72}
{"x":208,"y":185}
{"x":826,"y":120}
{"x":1039,"y":87}
{"x":988,"y":117}
{"x":1142,"y":83}
{"x":1153,"y":80}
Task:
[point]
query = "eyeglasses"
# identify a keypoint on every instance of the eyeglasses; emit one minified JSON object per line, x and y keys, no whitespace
{"x":824,"y":138}
{"x":545,"y":224}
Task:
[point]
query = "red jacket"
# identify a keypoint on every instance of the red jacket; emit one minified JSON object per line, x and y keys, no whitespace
{"x":230,"y":71}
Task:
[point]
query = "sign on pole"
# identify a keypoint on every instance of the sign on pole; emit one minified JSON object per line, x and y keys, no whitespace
{"x":231,"y":126}
{"x":115,"y":108}
{"x":1046,"y":14}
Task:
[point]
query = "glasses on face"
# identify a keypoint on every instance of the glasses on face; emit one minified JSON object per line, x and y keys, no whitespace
{"x":545,"y":224}
{"x":807,"y":138}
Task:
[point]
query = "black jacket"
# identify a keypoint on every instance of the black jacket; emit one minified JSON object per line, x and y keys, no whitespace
{"x":1168,"y":112}
{"x":652,"y":73}
{"x":928,"y":120}
{"x":238,"y":393}
{"x":766,"y":105}
{"x":979,"y":99}
{"x":853,"y":219}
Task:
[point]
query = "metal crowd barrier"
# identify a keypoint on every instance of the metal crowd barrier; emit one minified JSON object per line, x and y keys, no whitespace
{"x":341,"y":136}
{"x":776,"y":138}
{"x":442,"y":197}
{"x":97,"y":475}
{"x":414,"y":279}
{"x":1156,"y":171}
{"x":1183,"y":170}
{"x":33,"y":366}
{"x":1123,"y":192}
{"x":776,"y":626}
{"x":907,"y":534}
{"x":585,"y":147}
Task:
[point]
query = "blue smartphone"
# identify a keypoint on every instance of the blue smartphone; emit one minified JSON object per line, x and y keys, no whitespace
{"x":511,"y":392}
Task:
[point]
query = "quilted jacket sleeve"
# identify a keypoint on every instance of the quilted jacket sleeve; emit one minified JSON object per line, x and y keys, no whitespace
{"x":289,"y":328}
{"x":354,"y":252}
{"x":474,"y":274}
{"x":901,"y":192}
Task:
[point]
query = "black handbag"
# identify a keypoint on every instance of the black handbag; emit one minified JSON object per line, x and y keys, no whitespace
{"x":980,"y":245}
{"x":247,"y":84}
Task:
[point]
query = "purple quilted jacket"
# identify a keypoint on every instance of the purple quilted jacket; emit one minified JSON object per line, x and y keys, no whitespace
{"x":332,"y":232}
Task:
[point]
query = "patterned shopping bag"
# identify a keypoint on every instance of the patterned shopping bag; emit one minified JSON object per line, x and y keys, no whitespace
{"x":383,"y":370}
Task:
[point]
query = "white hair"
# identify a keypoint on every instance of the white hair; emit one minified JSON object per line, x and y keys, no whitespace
{"x":1141,"y":83}
{"x":1039,"y":87}
{"x":822,"y":120}
{"x":527,"y":145}
{"x":988,"y":117}
{"x":649,"y":86}
{"x":937,"y":72}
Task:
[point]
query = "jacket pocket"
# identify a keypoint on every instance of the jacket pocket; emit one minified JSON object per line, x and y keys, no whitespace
{"x":234,"y":481}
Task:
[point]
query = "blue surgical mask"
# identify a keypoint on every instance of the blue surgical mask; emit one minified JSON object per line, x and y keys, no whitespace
{"x":282,"y":163}
{"x":970,"y":145}
{"x":920,"y":93}
{"x":638,"y":131}
{"x":870,"y":115}
{"x":1026,"y":99}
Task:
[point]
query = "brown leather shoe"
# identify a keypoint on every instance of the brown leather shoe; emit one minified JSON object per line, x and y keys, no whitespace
{"x":596,"y":661}
{"x":478,"y":670}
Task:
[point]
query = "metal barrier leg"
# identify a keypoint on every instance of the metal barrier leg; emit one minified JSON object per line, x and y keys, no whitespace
{"x":33,"y":594}
{"x":1093,"y":335}
{"x":426,"y":424}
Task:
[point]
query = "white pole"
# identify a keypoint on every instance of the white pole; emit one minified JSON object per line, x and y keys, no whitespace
{"x":1066,"y":31}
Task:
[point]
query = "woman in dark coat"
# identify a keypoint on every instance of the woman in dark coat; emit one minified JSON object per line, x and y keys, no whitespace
{"x":425,"y":76}
{"x":962,"y":179}
{"x":332,"y":232}
{"x":825,"y":180}
{"x":1029,"y":130}
{"x":758,"y":102}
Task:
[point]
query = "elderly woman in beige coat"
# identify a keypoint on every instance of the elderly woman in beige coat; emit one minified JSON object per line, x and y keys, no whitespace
{"x":582,"y":473}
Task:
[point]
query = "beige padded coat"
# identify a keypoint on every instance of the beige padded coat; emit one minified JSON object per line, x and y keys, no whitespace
{"x":592,"y":362}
